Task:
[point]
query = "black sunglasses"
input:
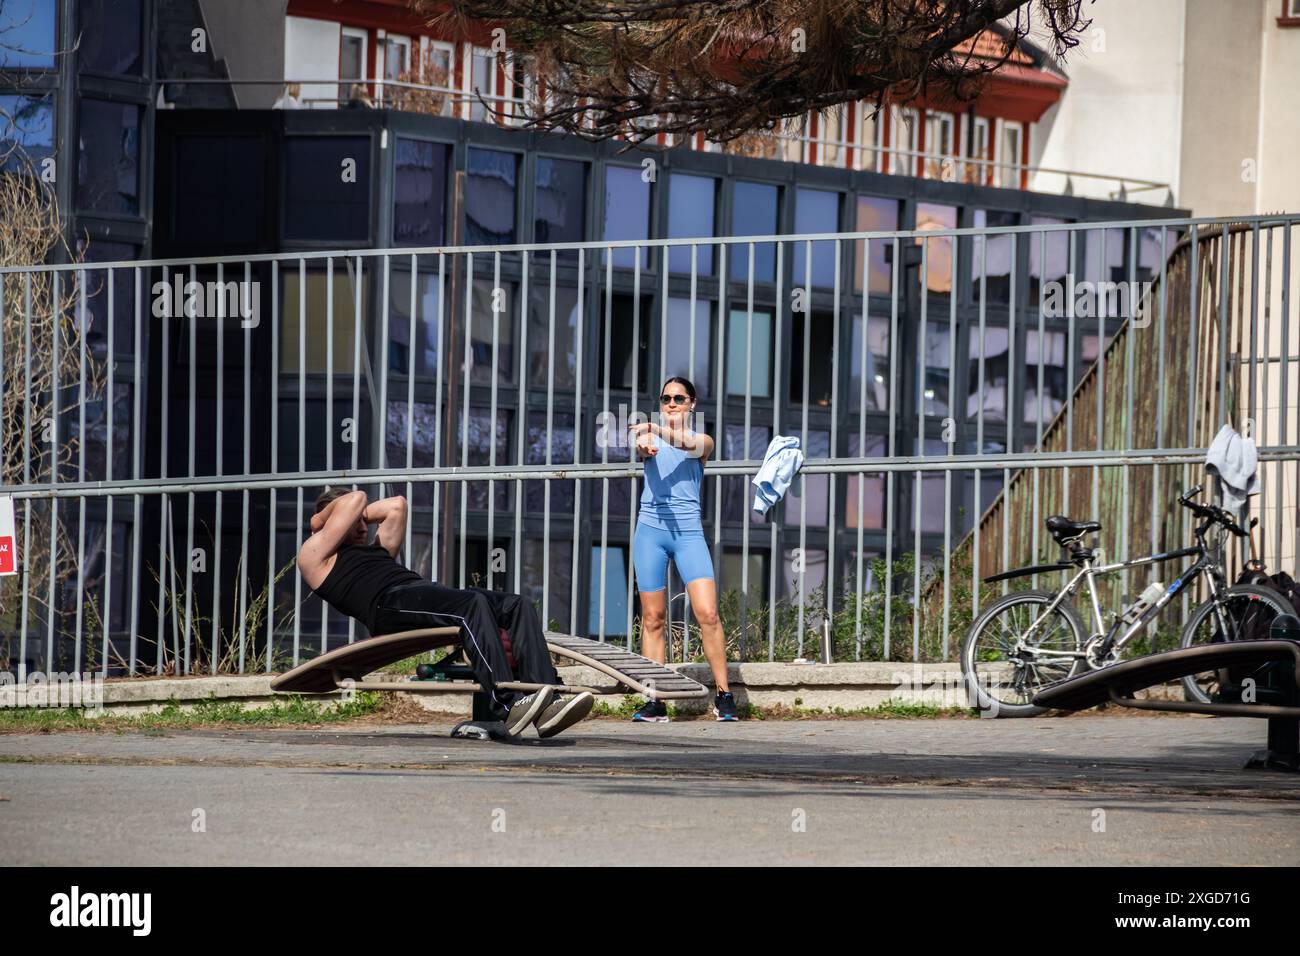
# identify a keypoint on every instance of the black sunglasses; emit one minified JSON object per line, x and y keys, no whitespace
{"x":674,"y":399}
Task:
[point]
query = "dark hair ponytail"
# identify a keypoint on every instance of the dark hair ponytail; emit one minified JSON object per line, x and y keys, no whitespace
{"x":683,"y":382}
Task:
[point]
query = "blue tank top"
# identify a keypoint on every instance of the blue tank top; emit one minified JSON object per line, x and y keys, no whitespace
{"x":671,"y":498}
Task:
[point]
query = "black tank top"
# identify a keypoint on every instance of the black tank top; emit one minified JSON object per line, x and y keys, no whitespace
{"x":359,"y":576}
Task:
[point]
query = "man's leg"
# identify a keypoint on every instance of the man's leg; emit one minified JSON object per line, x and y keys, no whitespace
{"x":432,"y":605}
{"x":527,"y":639}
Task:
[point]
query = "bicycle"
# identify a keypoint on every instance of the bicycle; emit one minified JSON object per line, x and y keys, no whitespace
{"x":1040,"y":635}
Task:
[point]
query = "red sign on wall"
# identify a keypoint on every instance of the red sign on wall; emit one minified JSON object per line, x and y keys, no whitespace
{"x":8,"y":546}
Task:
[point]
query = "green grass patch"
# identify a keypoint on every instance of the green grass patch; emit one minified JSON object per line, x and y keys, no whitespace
{"x":292,"y":710}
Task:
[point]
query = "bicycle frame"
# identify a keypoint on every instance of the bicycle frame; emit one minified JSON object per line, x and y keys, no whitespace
{"x":1206,"y":562}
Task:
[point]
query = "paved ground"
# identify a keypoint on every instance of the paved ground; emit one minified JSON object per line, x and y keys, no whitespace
{"x":959,"y":792}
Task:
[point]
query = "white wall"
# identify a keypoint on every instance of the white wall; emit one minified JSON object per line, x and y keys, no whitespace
{"x":311,"y":50}
{"x":1121,"y":113}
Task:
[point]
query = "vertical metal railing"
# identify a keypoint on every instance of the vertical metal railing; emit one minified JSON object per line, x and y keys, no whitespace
{"x":995,"y":365}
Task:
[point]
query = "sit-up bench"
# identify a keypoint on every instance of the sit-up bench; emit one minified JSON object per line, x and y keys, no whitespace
{"x":1274,"y":665}
{"x":347,"y":668}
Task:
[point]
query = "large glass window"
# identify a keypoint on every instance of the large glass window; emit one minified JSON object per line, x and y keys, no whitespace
{"x":691,"y":202}
{"x":821,"y":372}
{"x":110,"y":36}
{"x":419,"y":193}
{"x":490,"y":197}
{"x":938,"y":267}
{"x":938,"y":369}
{"x":108,"y":158}
{"x":991,"y":257}
{"x":816,"y":488}
{"x":561,"y":369}
{"x":627,"y":212}
{"x":869,"y":512}
{"x":327,"y":188}
{"x":986,"y":380}
{"x":749,"y":353}
{"x":560,"y":206}
{"x":815,"y":210}
{"x":1104,"y":258}
{"x":484,"y":434}
{"x":422,"y":423}
{"x":492,"y":319}
{"x":316,"y":309}
{"x":561,"y":441}
{"x":27,"y":34}
{"x":26,"y":131}
{"x":875,"y":215}
{"x":754,"y":213}
{"x":877,"y":364}
{"x":123,"y":301}
{"x":1058,"y":255}
{"x":418,"y":356}
{"x":679,"y":343}
{"x":737,"y":492}
{"x":1050,"y":353}
{"x":622,"y":350}
{"x":555,"y":558}
{"x":207,"y":171}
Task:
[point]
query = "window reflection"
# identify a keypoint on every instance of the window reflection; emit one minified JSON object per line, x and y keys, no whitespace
{"x":754,"y":214}
{"x":938,"y":268}
{"x":419,"y":193}
{"x":492,"y":318}
{"x":561,"y":368}
{"x":690,"y":215}
{"x":989,"y":395}
{"x":560,"y":205}
{"x":752,"y":369}
{"x":877,"y":370}
{"x":993,"y":263}
{"x":1050,"y":352}
{"x":816,"y":210}
{"x":875,"y":215}
{"x":490,"y":203}
{"x":108,"y":158}
{"x":627,"y":213}
{"x":821,"y":372}
{"x":871,"y":486}
{"x":679,"y":343}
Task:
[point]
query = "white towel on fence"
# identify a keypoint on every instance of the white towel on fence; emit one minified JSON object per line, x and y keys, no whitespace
{"x":780,"y":464}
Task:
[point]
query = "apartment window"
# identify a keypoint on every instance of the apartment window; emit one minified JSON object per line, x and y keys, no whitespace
{"x":749,"y":353}
{"x":26,"y":130}
{"x":938,"y":368}
{"x":821,"y":372}
{"x":627,"y":213}
{"x":28,"y":31}
{"x":938,"y":267}
{"x":110,"y":36}
{"x":560,"y":441}
{"x":871,"y":132}
{"x":1056,"y":265}
{"x":980,"y":172}
{"x":490,"y":197}
{"x":319,"y":203}
{"x":207,"y":171}
{"x":560,"y":204}
{"x":875,"y":215}
{"x":816,"y":488}
{"x":1049,"y":352}
{"x":419,"y":192}
{"x":97,"y":300}
{"x":1104,"y":256}
{"x":438,"y":60}
{"x":486,"y":438}
{"x":754,"y":213}
{"x":1010,"y":154}
{"x":905,"y":127}
{"x":480,"y":80}
{"x":352,"y":61}
{"x":691,"y":202}
{"x":108,"y":158}
{"x":939,"y":143}
{"x":737,"y":492}
{"x":680,"y":343}
{"x":521,"y":86}
{"x":991,"y":257}
{"x":397,"y":57}
{"x":815,"y":210}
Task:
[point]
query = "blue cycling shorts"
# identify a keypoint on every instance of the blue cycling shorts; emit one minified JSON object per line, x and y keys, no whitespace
{"x":652,"y":548}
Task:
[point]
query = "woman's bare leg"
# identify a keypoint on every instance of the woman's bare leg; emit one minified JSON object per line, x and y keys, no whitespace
{"x":704,"y":605}
{"x":654,"y":608}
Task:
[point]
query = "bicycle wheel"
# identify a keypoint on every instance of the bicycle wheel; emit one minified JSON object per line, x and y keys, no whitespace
{"x":1249,"y":611}
{"x":1004,"y":680}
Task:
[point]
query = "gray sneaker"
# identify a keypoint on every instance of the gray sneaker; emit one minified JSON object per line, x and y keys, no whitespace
{"x":525,"y":710}
{"x":563,"y":714}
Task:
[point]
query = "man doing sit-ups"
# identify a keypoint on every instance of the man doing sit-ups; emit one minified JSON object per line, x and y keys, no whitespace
{"x":365,"y":581}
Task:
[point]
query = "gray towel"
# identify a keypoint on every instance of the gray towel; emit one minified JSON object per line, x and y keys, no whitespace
{"x":1233,"y":460}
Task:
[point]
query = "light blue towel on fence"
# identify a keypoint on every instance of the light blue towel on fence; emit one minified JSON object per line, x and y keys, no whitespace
{"x":781,"y":463}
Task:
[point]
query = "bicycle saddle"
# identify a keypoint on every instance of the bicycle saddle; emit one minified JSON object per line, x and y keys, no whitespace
{"x":1064,"y":529}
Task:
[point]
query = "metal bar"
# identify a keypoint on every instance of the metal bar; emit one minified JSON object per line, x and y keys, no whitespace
{"x":410,"y":403}
{"x":273,"y":513}
{"x":83,"y":331}
{"x":135,"y":499}
{"x":579,"y":364}
{"x":803,"y":426}
{"x":189,"y":499}
{"x":497,"y":291}
{"x":220,"y":437}
{"x":892,"y":439}
{"x":521,"y":425}
{"x":247,"y":325}
{"x":550,"y":443}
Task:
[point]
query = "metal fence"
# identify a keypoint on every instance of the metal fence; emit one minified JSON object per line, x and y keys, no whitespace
{"x":169,"y":423}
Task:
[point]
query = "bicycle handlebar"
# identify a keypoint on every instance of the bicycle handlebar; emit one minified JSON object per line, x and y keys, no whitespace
{"x":1211,"y":512}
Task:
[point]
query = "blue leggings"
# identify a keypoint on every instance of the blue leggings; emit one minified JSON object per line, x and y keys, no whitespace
{"x":652,"y":548}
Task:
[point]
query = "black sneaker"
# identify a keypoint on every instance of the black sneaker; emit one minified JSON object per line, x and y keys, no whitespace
{"x":563,"y":714}
{"x":525,"y":710}
{"x":724,"y":706}
{"x":652,"y":712}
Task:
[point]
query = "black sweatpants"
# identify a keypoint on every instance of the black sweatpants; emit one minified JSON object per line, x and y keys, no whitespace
{"x":478,"y":613}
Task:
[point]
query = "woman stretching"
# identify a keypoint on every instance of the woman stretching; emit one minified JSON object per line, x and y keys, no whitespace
{"x":669,"y":526}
